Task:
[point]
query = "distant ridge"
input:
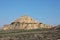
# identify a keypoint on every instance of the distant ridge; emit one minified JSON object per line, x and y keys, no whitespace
{"x":25,"y":22}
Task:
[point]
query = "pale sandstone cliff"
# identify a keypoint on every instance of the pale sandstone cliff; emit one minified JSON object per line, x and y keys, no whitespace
{"x":26,"y":22}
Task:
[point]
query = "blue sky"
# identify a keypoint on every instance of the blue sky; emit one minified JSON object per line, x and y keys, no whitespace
{"x":46,"y":11}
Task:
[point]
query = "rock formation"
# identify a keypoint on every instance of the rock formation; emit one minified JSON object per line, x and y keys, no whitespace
{"x":25,"y":22}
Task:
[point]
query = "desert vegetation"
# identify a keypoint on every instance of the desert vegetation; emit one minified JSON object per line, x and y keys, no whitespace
{"x":35,"y":34}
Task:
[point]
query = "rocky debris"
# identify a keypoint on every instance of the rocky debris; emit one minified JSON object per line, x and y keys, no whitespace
{"x":41,"y":35}
{"x":56,"y":27}
{"x":25,"y":22}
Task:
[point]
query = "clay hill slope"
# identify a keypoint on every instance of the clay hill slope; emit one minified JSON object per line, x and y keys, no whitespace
{"x":25,"y":22}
